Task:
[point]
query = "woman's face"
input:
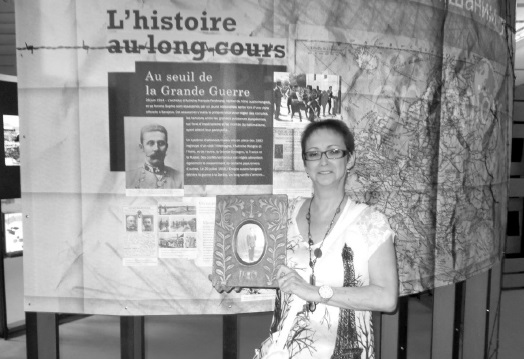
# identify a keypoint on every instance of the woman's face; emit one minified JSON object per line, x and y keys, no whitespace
{"x":326,"y":172}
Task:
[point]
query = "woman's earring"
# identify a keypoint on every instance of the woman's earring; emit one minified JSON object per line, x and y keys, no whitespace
{"x":307,"y":174}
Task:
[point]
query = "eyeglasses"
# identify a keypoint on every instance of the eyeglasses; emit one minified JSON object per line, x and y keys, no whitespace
{"x":332,"y":154}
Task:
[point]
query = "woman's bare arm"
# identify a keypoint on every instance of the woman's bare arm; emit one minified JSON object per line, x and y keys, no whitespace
{"x":380,"y":295}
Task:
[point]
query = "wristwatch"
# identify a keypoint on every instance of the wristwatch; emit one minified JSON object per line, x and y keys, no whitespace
{"x":325,"y":292}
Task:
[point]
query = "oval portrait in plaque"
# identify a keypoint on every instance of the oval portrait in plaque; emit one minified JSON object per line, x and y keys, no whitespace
{"x":250,"y":242}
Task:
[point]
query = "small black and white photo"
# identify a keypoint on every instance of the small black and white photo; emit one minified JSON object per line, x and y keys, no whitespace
{"x":250,"y":243}
{"x":154,"y":149}
{"x":189,"y":240}
{"x":148,"y":223}
{"x":131,"y":222}
{"x":171,"y":241}
{"x":163,"y":224}
{"x":14,"y":238}
{"x":176,"y":209}
{"x":11,"y":126}
{"x":182,"y":224}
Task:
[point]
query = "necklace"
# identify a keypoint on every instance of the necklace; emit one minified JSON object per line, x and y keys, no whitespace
{"x":318,"y":251}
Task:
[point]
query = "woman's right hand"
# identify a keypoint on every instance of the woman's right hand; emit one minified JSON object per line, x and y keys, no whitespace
{"x":219,"y":286}
{"x":260,"y":353}
{"x":268,"y":351}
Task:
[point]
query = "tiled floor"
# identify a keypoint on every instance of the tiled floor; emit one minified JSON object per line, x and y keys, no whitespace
{"x":97,"y":337}
{"x":511,"y":335}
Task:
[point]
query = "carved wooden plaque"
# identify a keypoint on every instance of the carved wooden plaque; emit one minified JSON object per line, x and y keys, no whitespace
{"x":250,"y":239}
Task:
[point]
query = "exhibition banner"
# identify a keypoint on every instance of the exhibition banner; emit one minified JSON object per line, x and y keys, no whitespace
{"x":135,"y":116}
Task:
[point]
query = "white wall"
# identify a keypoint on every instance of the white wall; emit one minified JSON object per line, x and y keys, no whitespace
{"x":14,"y":291}
{"x":14,"y":275}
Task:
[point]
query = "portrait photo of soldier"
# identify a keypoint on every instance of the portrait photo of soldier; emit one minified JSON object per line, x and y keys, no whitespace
{"x":147,"y":147}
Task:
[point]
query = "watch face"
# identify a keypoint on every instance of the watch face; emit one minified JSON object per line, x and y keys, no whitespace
{"x":326,"y":292}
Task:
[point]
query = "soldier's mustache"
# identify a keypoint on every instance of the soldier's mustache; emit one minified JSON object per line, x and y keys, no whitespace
{"x":157,"y":156}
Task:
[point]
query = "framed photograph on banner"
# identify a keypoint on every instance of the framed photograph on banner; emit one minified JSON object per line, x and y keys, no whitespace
{"x":11,"y":140}
{"x":13,"y":235}
{"x":10,"y":143}
{"x":250,"y":240}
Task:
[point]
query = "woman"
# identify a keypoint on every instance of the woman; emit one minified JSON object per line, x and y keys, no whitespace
{"x":330,"y":96}
{"x":341,"y":261}
{"x":294,"y":102}
{"x":324,"y":97}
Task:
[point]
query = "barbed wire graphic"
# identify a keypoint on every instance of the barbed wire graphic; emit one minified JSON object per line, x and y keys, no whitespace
{"x":84,"y":46}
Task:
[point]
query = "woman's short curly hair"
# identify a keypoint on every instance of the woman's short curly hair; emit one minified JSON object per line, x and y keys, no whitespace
{"x":336,"y":126}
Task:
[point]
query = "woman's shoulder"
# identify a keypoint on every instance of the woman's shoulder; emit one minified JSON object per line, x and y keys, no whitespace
{"x":296,"y":202}
{"x":373,"y":224}
{"x":370,"y":211}
{"x":294,"y":205}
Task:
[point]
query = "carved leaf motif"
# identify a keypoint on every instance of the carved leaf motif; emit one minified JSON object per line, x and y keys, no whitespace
{"x":225,"y":210}
{"x":222,"y":220}
{"x":276,"y":209}
{"x":273,"y":213}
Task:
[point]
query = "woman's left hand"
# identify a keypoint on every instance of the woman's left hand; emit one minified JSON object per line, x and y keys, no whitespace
{"x":290,"y":281}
